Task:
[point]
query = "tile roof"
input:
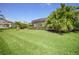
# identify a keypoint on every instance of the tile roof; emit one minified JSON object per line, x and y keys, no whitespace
{"x":2,"y":21}
{"x":39,"y":20}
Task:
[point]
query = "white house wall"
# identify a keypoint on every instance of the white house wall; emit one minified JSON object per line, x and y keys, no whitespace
{"x":3,"y":26}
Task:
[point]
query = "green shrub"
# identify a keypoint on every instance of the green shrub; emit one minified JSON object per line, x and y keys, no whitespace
{"x":64,"y":19}
{"x":20,"y":25}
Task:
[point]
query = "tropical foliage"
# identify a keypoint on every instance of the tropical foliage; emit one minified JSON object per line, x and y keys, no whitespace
{"x":30,"y":26}
{"x":64,"y":19}
{"x":20,"y":25}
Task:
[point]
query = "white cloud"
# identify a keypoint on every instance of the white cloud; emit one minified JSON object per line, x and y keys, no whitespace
{"x":45,"y":4}
{"x":48,"y":4}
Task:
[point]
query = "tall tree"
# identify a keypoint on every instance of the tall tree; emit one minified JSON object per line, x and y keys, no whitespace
{"x":63,"y":19}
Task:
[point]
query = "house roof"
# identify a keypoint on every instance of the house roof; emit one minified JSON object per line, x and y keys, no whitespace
{"x":3,"y":21}
{"x":39,"y":20}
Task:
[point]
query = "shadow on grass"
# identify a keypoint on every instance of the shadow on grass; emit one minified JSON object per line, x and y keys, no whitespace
{"x":4,"y":49}
{"x":52,"y":31}
{"x":62,"y":33}
{"x":1,"y":30}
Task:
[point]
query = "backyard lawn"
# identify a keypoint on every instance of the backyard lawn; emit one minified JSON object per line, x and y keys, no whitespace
{"x":35,"y":42}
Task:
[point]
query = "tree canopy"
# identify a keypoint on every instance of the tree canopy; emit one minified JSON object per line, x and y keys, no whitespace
{"x":20,"y":25}
{"x":64,"y":19}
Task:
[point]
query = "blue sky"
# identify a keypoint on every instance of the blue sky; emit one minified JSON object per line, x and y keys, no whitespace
{"x":28,"y":11}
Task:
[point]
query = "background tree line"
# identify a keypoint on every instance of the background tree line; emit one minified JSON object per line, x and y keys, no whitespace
{"x":22,"y":25}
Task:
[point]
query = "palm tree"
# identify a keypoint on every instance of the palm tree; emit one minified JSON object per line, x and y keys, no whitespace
{"x":63,"y":19}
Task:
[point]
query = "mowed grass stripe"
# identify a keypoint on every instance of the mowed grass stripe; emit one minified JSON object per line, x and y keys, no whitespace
{"x":42,"y":49}
{"x":38,"y":48}
{"x":22,"y":46}
{"x":57,"y":47}
{"x":44,"y":39}
{"x":41,"y":42}
{"x":4,"y":49}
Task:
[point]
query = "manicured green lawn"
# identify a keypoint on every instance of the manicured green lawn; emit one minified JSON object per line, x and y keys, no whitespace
{"x":38,"y":42}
